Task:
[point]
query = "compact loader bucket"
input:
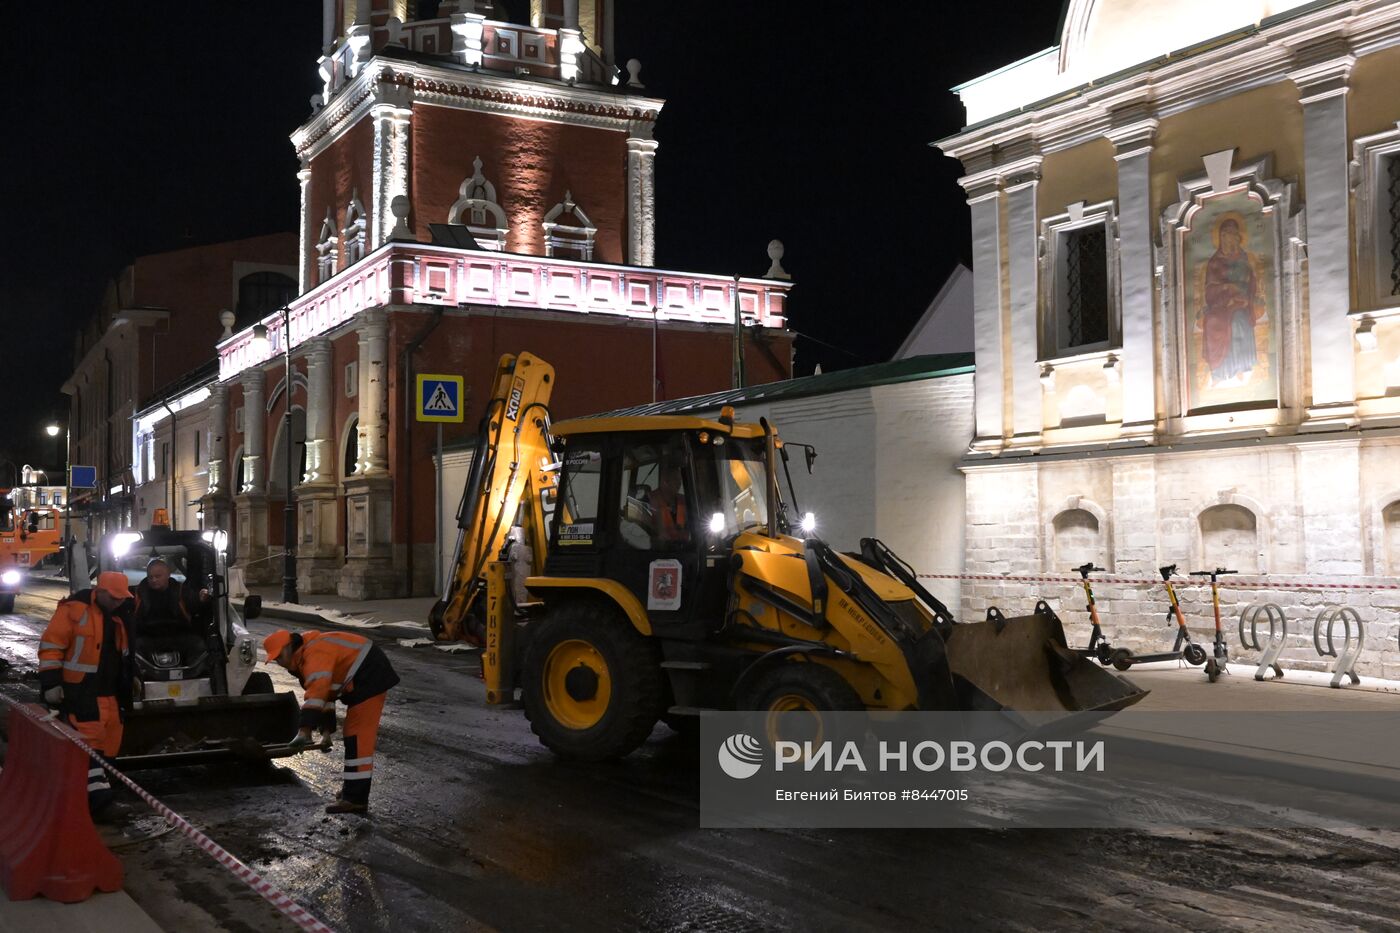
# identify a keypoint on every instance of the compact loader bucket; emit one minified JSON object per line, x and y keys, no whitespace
{"x":165,"y":733}
{"x":1024,"y":664}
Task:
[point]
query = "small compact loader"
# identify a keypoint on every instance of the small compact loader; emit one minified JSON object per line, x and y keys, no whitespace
{"x":196,"y":694}
{"x":622,"y":570}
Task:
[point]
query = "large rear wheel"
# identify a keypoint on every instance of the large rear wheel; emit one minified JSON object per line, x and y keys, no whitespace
{"x":591,"y":684}
{"x":7,"y":603}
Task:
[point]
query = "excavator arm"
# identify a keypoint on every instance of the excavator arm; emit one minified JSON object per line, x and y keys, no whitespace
{"x":511,"y":471}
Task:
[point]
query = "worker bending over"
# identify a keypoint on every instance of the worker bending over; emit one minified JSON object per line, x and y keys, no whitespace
{"x":85,"y":670}
{"x":351,"y":668}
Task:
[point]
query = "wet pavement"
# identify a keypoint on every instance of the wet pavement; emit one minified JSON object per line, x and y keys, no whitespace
{"x":476,"y":826}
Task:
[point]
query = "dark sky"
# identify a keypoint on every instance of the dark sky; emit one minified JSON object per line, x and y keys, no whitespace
{"x":132,"y":133}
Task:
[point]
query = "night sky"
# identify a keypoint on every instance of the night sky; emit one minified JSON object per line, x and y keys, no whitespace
{"x":135,"y":133}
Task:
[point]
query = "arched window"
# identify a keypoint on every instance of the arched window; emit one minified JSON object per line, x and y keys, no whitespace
{"x":277,"y":472}
{"x":327,"y":245}
{"x":568,"y":233}
{"x":261,"y":293}
{"x":479,"y":211}
{"x":1230,"y":538}
{"x":353,"y":233}
{"x":1078,"y":539}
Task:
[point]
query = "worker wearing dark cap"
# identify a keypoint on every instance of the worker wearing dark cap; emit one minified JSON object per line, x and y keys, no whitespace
{"x":352,"y":669}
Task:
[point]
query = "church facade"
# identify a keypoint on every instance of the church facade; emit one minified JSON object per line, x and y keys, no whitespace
{"x":472,"y":184}
{"x":1186,"y":259}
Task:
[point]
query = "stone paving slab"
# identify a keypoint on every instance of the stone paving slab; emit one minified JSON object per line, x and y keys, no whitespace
{"x":101,"y":913}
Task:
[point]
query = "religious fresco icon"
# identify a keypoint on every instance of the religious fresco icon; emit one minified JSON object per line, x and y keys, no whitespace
{"x":1228,"y":255}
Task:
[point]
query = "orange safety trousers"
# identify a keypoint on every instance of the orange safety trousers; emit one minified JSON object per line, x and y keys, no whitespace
{"x":361,"y":729}
{"x":105,"y":735}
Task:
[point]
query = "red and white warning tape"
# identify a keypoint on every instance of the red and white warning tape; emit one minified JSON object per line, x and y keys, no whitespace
{"x":288,"y":907}
{"x":1232,"y":584}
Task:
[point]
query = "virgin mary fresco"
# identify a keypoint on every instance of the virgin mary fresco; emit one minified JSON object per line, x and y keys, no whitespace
{"x":1232,"y":357}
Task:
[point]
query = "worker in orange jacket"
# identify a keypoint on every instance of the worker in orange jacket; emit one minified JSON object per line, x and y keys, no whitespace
{"x":85,"y":669}
{"x":348,"y":667}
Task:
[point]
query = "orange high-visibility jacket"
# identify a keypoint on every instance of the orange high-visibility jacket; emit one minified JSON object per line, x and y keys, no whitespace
{"x":71,"y":649}
{"x":339,"y":665}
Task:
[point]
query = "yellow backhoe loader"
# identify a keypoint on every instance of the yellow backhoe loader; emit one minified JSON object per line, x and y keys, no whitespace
{"x":622,"y":570}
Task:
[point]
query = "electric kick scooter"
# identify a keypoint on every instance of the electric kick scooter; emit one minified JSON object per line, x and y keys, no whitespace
{"x":1184,"y":649}
{"x":1220,"y":656}
{"x":1098,"y":647}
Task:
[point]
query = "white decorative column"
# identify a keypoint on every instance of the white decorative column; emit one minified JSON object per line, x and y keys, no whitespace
{"x":390,"y":172}
{"x":1023,"y":267}
{"x":327,"y":23}
{"x":304,"y":231}
{"x":1133,"y":152}
{"x":984,"y":197}
{"x":250,"y":502}
{"x":215,"y":501}
{"x":641,"y":196}
{"x":570,"y":42}
{"x":318,"y":546}
{"x":1322,"y":78}
{"x":368,"y":572}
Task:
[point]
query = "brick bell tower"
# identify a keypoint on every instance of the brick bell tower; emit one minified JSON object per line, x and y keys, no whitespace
{"x":509,"y":118}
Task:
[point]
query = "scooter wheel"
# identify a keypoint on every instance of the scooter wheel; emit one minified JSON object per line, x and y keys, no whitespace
{"x":1122,"y":659}
{"x":1212,"y":670}
{"x":1195,"y":655}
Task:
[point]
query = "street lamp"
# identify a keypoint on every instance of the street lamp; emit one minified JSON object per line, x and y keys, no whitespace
{"x":289,"y":518}
{"x":52,"y":430}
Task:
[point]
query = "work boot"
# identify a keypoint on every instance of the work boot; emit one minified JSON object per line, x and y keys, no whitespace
{"x":347,"y":806}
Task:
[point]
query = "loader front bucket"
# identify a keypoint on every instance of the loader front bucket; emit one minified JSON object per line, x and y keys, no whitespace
{"x":1024,"y":664}
{"x":167,"y":733}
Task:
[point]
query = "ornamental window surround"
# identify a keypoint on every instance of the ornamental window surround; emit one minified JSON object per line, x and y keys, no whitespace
{"x":1080,"y":296}
{"x":477,"y":209}
{"x":568,"y":240}
{"x":1376,"y":177}
{"x":354,"y":231}
{"x":327,"y":244}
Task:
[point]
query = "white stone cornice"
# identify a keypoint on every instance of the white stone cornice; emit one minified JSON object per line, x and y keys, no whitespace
{"x":455,"y":86}
{"x":1175,"y":84}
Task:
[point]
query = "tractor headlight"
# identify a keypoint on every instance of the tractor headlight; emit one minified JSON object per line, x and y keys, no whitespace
{"x":717,"y":523}
{"x":124,"y":542}
{"x":809,"y":523}
{"x":11,"y":577}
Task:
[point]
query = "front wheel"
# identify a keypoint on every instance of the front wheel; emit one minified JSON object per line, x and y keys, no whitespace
{"x":7,"y":603}
{"x":794,"y":694}
{"x":591,"y":684}
{"x":1195,"y":655}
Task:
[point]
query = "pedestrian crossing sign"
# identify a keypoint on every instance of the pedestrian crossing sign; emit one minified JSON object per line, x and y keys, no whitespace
{"x":440,"y":398}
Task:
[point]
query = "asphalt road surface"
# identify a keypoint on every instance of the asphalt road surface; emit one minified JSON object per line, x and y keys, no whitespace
{"x":476,"y":826}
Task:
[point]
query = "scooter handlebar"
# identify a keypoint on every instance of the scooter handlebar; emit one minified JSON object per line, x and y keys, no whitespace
{"x":1167,"y":571}
{"x":1085,"y":569}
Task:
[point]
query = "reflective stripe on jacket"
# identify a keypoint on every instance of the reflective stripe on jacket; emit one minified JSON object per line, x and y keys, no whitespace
{"x":70,"y":650}
{"x":340,"y":665}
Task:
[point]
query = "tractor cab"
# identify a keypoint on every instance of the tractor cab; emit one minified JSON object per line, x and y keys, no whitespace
{"x":654,"y":504}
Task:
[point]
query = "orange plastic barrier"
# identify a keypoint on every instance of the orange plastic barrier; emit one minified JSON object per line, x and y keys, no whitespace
{"x":48,"y":844}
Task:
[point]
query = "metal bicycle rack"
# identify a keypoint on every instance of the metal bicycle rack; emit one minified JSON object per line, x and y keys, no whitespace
{"x":1278,"y":636}
{"x":1329,"y":616}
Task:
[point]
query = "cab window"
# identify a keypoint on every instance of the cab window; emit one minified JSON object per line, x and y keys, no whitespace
{"x":655,"y":509}
{"x":577,"y":514}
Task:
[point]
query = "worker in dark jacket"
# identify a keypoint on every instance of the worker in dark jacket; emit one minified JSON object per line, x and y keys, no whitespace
{"x":348,"y":667}
{"x":85,"y":669}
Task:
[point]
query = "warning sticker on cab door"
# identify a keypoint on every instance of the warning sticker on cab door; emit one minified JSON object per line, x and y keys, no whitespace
{"x":664,"y":585}
{"x":581,"y":533}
